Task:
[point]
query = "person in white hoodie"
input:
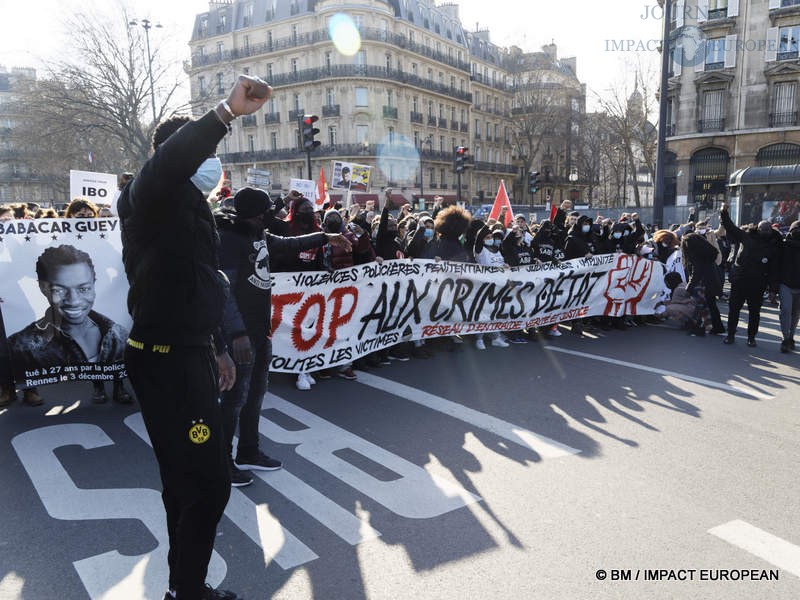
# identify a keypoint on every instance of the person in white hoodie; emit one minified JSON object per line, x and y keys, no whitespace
{"x":487,"y":253}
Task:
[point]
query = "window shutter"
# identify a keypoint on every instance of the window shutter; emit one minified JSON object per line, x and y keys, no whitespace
{"x":677,"y":59}
{"x":702,"y":11}
{"x":730,"y":51}
{"x":703,"y":49}
{"x":733,"y":8}
{"x":771,"y":51}
{"x":679,"y":9}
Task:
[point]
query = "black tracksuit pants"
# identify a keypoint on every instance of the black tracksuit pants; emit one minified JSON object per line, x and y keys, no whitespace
{"x":750,"y":291}
{"x":178,"y":392}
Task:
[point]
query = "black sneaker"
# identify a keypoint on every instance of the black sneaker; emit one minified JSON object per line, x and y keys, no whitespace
{"x":258,"y":462}
{"x":239,"y":478}
{"x":210,"y":593}
{"x":751,"y":342}
{"x":785,"y":347}
{"x":729,"y":340}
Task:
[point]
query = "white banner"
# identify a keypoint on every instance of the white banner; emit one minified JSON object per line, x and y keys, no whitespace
{"x":99,"y":188}
{"x":322,"y":319}
{"x":64,"y":291}
{"x":304,"y":186}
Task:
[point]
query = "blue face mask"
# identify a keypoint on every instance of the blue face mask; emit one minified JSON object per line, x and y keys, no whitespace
{"x":585,"y":228}
{"x":428,"y":234}
{"x":616,"y":235}
{"x":208,"y":175}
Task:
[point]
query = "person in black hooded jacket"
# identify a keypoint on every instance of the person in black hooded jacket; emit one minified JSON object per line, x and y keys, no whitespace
{"x":755,"y":269}
{"x":579,"y":240}
{"x":176,"y":299}
{"x":790,"y":286}
{"x":245,"y":249}
{"x":703,"y":282}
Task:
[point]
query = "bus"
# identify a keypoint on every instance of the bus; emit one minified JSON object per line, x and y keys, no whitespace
{"x":765,"y":194}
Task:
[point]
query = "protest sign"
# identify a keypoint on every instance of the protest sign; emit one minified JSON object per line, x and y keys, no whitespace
{"x":97,"y":187}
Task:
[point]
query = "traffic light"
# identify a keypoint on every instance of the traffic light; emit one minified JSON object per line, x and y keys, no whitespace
{"x":461,"y":158}
{"x":308,"y":131}
{"x":533,"y":182}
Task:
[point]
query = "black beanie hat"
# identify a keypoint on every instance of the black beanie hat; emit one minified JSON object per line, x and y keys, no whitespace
{"x":251,"y":202}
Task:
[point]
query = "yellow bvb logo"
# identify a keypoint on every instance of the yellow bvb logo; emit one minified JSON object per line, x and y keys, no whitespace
{"x":199,"y":432}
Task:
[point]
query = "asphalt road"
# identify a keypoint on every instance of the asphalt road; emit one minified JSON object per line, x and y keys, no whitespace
{"x":558,"y":469}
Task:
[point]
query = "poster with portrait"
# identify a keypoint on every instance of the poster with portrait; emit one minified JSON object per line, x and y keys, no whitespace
{"x":350,"y":176}
{"x":64,"y":299}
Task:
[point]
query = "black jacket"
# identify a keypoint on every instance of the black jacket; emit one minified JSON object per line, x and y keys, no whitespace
{"x":170,"y":242}
{"x":244,"y":257}
{"x":790,"y":260}
{"x":757,"y":257}
{"x":699,"y":256}
{"x":579,"y":244}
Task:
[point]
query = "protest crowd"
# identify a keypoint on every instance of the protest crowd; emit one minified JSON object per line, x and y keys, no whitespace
{"x":248,"y":235}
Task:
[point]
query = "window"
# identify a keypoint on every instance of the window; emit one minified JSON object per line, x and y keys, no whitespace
{"x":204,"y":26}
{"x":220,"y":83}
{"x":201,"y":83}
{"x":415,"y":104}
{"x":220,"y":49}
{"x":362,"y":134}
{"x":718,"y":9}
{"x":251,"y":143}
{"x":441,"y":110}
{"x":332,"y":135}
{"x":389,"y":98}
{"x":783,"y":108}
{"x":391,"y":135}
{"x":788,"y":42}
{"x":416,"y":139}
{"x":670,"y":116}
{"x":330,"y":96}
{"x":247,"y":16}
{"x":430,"y":75}
{"x":715,"y":53}
{"x":361,"y":96}
{"x":294,"y":34}
{"x":360,"y":58}
{"x":441,"y":143}
{"x":414,"y":69}
{"x":296,"y":98}
{"x":269,"y":71}
{"x":269,"y":40}
{"x":294,"y":66}
{"x":430,"y":108}
{"x":223,"y":20}
{"x":273,"y":141}
{"x":388,"y":62}
{"x":713,"y":116}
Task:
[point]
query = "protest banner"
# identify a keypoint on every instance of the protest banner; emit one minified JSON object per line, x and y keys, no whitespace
{"x":98,"y":187}
{"x":304,"y":186}
{"x":63,"y":291}
{"x":351,"y":176}
{"x":321,"y":319}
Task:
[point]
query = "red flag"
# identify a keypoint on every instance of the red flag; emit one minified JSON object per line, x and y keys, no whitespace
{"x":321,"y":196}
{"x":553,"y":212}
{"x":499,"y":202}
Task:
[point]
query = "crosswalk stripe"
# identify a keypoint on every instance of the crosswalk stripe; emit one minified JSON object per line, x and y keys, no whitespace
{"x":542,"y":445}
{"x":771,"y":548}
{"x":655,"y":370}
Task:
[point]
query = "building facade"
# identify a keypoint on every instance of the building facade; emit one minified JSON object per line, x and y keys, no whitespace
{"x":732,"y":95}
{"x":418,"y":86}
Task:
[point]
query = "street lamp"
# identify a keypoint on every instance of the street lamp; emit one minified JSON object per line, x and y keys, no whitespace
{"x":147,"y":25}
{"x":428,"y":140}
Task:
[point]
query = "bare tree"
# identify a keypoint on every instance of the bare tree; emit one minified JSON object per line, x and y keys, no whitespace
{"x":98,"y":102}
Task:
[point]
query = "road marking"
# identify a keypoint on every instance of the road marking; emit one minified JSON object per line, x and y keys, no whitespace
{"x":277,"y":543}
{"x":655,"y":370}
{"x":544,"y":446}
{"x":756,"y":541}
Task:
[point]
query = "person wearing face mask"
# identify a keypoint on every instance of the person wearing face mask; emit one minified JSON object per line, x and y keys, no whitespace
{"x":177,"y":298}
{"x":668,"y":252}
{"x":488,"y":242}
{"x":579,"y":239}
{"x":245,"y":249}
{"x":755,"y":269}
{"x":789,"y":291}
{"x":421,"y":238}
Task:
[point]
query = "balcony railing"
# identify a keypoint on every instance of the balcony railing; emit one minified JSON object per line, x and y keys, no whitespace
{"x":717,"y":13}
{"x":442,"y":123}
{"x":787,"y":119}
{"x":787,"y":55}
{"x":431,"y":120}
{"x":789,"y":3}
{"x":322,"y":35}
{"x":270,"y":118}
{"x":332,"y":110}
{"x":389,"y":112}
{"x":249,"y":121}
{"x":296,"y":114}
{"x":454,"y":125}
{"x":464,"y":128}
{"x":416,"y":117}
{"x":477,"y":135}
{"x":705,"y":125}
{"x":715,"y":66}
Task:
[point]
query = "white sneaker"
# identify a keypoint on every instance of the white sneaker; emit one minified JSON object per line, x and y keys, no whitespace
{"x":302,"y":382}
{"x":479,"y":344}
{"x":499,"y":342}
{"x":554,"y":332}
{"x":310,"y":379}
{"x":457,"y":339}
